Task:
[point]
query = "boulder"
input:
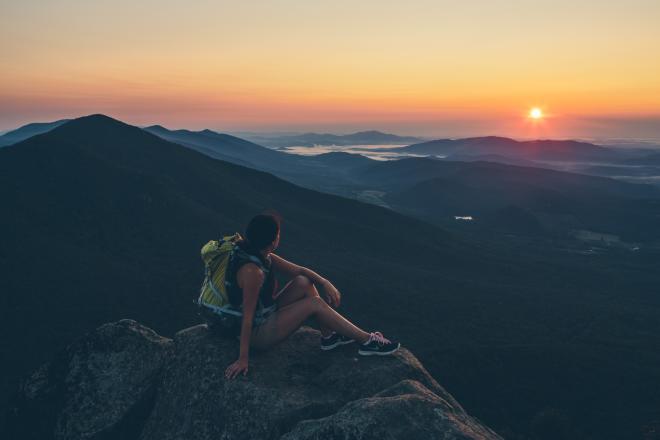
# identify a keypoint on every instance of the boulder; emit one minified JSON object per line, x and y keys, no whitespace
{"x":125,"y":381}
{"x":100,"y":387}
{"x":405,"y":410}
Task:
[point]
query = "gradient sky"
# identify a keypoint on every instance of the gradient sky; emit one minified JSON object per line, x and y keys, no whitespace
{"x":423,"y":67}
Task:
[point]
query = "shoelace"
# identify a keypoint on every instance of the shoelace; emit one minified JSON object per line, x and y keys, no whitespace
{"x":379,"y":338}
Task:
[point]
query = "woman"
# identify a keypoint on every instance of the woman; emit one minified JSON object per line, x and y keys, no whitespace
{"x":281,"y":313}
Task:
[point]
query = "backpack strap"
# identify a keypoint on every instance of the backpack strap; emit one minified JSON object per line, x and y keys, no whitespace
{"x":242,"y":254}
{"x":220,"y":310}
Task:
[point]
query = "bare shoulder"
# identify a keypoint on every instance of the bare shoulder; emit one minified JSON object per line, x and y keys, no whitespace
{"x":250,"y":273}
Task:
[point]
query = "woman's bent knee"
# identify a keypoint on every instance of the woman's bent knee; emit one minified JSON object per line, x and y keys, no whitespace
{"x":302,"y":281}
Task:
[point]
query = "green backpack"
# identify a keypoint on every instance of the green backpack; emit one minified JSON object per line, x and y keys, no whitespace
{"x":218,"y":257}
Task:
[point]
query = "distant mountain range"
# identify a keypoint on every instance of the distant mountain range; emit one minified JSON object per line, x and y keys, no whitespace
{"x":371,"y":137}
{"x":561,"y":150}
{"x":29,"y":130}
{"x":552,"y":202}
{"x":103,"y":220}
{"x":464,"y":184}
{"x":224,"y":146}
{"x":491,"y":148}
{"x":325,"y":172}
{"x":563,"y":155}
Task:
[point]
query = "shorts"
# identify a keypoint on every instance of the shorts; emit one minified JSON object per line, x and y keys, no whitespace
{"x":228,"y":324}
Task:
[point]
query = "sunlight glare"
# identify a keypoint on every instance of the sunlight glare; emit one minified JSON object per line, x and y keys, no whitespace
{"x":536,"y":113}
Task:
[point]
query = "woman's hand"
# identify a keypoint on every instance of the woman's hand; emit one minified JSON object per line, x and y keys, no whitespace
{"x":331,"y":293}
{"x":238,"y":367}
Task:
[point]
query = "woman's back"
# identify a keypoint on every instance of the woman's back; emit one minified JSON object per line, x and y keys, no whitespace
{"x":246,"y":255}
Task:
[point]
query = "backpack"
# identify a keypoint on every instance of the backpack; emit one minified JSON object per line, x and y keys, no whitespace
{"x":219,"y":257}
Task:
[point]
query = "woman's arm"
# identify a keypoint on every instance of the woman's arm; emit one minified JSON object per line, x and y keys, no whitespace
{"x":292,"y":270}
{"x":250,"y":278}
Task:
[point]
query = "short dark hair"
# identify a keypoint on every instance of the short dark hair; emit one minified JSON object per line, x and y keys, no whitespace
{"x":262,"y":230}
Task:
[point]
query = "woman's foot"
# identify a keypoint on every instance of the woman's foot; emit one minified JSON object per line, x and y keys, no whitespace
{"x":334,"y":340}
{"x":378,"y":345}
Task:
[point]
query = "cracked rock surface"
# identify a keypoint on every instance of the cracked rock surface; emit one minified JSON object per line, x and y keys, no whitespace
{"x":125,"y":381}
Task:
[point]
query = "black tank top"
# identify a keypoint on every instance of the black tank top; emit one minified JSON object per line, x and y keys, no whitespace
{"x":268,"y":289}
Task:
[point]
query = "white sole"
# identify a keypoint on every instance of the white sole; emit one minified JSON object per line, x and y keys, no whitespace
{"x":335,"y":345}
{"x":377,"y":353}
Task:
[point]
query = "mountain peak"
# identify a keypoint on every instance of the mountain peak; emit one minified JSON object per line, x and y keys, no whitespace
{"x":100,"y":130}
{"x":139,"y":384}
{"x":102,"y":135}
{"x":96,"y":119}
{"x":93,"y":126}
{"x":157,"y":127}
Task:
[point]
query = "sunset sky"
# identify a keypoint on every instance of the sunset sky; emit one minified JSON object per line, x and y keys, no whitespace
{"x":433,"y":68}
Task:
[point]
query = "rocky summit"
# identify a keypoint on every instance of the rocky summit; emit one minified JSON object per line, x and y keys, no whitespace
{"x":124,"y":381}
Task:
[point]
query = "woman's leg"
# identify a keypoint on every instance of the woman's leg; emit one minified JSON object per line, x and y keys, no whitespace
{"x":298,"y":288}
{"x":290,"y":317}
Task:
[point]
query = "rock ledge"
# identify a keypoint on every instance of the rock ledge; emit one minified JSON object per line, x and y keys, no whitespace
{"x":125,"y":381}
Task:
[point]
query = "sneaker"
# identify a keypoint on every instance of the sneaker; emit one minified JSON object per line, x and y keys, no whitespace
{"x":334,"y":340}
{"x":378,"y":345}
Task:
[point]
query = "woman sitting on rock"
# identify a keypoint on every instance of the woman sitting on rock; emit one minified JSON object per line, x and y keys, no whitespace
{"x":270,"y":316}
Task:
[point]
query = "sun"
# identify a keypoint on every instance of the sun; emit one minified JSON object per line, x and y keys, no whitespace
{"x":536,"y":113}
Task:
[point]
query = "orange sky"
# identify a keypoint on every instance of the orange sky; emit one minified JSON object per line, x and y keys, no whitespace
{"x":424,"y":67}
